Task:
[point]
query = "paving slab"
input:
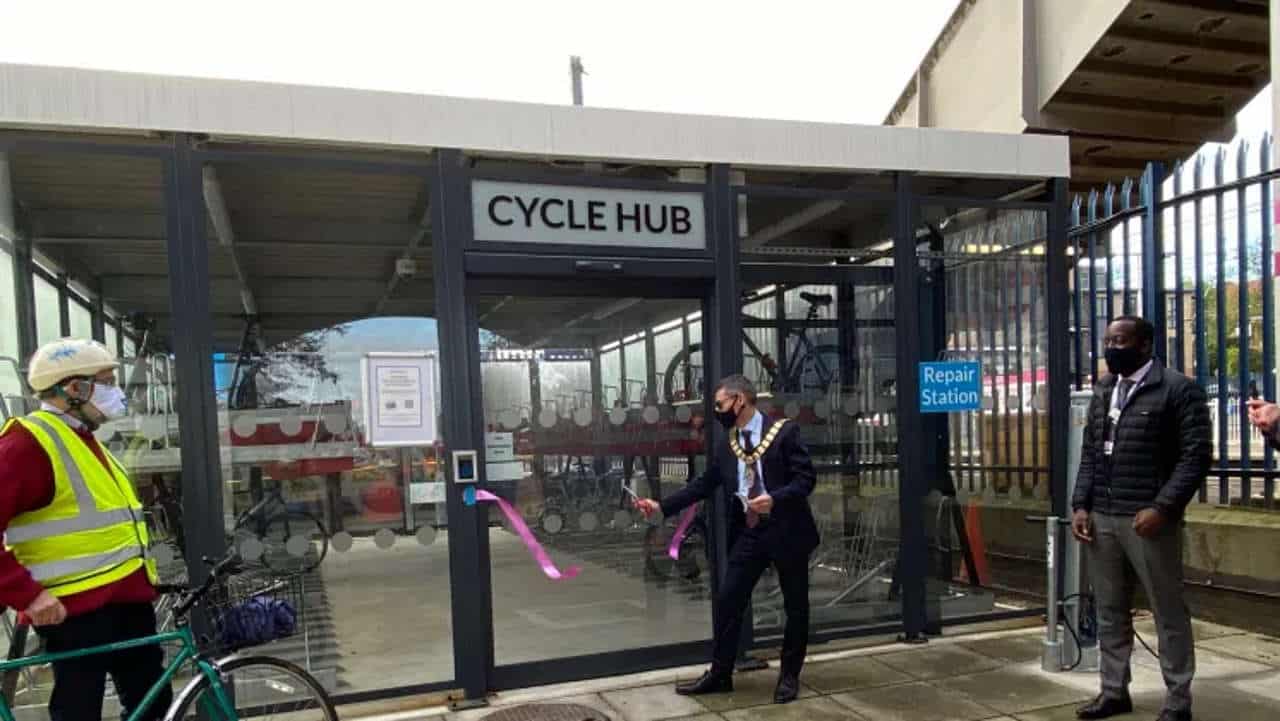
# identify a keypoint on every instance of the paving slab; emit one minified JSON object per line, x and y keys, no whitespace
{"x":848,"y":674}
{"x":1266,"y":685}
{"x":913,"y":702}
{"x":1068,"y":713}
{"x":1262,"y":649}
{"x":1210,"y":664}
{"x":749,"y":689}
{"x":701,"y":717}
{"x":1222,"y":701}
{"x":938,"y":661}
{"x":1200,"y":630}
{"x":591,"y":701}
{"x":1145,"y":679}
{"x":1009,"y":649}
{"x":650,"y":703}
{"x":812,"y":709}
{"x":1015,"y":689}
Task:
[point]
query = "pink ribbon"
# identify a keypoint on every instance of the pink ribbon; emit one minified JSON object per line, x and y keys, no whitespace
{"x":530,"y":542}
{"x":686,"y":519}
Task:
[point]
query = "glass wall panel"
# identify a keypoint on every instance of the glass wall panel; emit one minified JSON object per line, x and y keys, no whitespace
{"x":990,"y":279}
{"x":823,"y":357}
{"x":111,"y":337}
{"x":81,"y":318}
{"x":572,"y":471}
{"x":11,"y":385}
{"x":48,"y":317}
{"x":307,"y":395}
{"x":96,"y":200}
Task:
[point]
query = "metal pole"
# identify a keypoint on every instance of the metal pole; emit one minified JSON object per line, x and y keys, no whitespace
{"x":575,"y":73}
{"x":1051,"y":658}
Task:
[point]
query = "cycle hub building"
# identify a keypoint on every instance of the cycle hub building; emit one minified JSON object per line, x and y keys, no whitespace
{"x":338,"y":310}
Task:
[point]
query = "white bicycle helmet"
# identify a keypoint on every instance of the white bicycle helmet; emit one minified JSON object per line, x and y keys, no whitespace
{"x":67,"y":358}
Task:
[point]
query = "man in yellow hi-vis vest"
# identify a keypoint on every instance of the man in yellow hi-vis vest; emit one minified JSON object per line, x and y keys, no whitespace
{"x":75,"y":561}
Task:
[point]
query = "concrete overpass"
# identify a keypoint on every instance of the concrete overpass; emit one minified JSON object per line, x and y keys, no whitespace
{"x":1128,"y":80}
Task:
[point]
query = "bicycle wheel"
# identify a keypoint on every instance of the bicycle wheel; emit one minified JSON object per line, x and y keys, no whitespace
{"x":816,"y":372}
{"x":287,"y":542}
{"x":258,"y":687}
{"x":686,"y":365}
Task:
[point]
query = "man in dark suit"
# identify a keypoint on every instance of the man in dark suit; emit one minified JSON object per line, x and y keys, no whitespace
{"x":1145,"y":454}
{"x":765,"y":476}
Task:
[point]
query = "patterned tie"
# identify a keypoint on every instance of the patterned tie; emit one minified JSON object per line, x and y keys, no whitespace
{"x":753,"y":482}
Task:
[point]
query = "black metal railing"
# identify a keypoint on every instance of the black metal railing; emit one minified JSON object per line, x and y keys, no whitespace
{"x":1193,"y":254}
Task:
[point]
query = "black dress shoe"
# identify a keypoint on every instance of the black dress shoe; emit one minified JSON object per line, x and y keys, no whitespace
{"x":1168,"y":715}
{"x":709,"y":683}
{"x":1105,"y":707}
{"x":788,"y":689}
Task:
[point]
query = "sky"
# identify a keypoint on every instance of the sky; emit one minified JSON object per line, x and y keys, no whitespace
{"x":822,"y":60}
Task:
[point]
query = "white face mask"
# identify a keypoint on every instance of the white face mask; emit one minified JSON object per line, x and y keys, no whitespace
{"x":109,"y":400}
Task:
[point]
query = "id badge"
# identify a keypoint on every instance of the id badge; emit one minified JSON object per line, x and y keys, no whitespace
{"x":1107,"y":447}
{"x":1114,"y":415}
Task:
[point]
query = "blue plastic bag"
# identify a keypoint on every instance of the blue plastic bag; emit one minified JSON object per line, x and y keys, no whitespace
{"x":258,"y":620}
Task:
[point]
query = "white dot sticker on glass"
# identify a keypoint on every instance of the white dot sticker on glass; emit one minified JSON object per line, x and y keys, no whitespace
{"x":617,"y":416}
{"x":650,"y":414}
{"x":251,"y":549}
{"x":582,"y":417}
{"x":291,"y":425}
{"x":152,"y":428}
{"x":684,"y":413}
{"x":621,"y":519}
{"x":588,"y":521}
{"x":552,"y":523}
{"x":297,"y":545}
{"x":164,"y":554}
{"x":850,"y":405}
{"x":341,"y":541}
{"x":244,"y":425}
{"x":821,"y":408}
{"x":335,"y":423}
{"x":426,"y":535}
{"x":384,"y":538}
{"x":547,"y":418}
{"x":509,"y":419}
{"x":792,"y":409}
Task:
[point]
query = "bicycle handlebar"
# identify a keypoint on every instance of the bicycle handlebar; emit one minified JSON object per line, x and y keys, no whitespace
{"x":226,"y":567}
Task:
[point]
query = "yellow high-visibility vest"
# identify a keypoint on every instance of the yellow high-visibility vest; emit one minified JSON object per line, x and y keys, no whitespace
{"x":93,"y":533}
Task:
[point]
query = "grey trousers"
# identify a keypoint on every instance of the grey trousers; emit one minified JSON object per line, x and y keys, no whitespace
{"x":1118,"y":559}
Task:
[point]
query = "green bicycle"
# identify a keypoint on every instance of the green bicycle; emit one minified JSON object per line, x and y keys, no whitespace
{"x":229,"y":688}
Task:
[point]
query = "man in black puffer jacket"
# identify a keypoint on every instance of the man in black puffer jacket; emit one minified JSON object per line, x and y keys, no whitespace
{"x":1147,"y":449}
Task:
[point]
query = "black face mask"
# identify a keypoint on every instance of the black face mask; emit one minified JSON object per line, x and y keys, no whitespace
{"x":1124,"y":361}
{"x":727,"y":418}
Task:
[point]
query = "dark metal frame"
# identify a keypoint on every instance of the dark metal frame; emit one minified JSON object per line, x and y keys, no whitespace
{"x":462,"y":268}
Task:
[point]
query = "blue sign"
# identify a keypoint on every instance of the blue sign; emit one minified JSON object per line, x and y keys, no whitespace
{"x":950,"y":386}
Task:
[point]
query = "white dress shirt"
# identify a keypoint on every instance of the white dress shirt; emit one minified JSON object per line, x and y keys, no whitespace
{"x":756,"y":426}
{"x":1137,"y":377}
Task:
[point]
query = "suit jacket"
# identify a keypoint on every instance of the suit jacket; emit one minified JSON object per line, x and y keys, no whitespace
{"x":789,"y":478}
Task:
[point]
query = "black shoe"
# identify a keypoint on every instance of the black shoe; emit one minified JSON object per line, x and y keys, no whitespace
{"x":1105,"y":707}
{"x":1167,"y":715}
{"x":788,"y":689}
{"x":709,"y":683}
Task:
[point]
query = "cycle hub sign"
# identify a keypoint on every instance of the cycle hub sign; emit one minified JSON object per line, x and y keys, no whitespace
{"x":511,"y":212}
{"x":950,"y":386}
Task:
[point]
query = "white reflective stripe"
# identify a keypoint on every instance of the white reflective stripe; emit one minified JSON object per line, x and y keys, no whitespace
{"x":83,"y":522}
{"x":84,"y":499}
{"x":85,"y":564}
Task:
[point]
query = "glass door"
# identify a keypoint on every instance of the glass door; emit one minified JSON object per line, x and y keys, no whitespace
{"x":586,"y":401}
